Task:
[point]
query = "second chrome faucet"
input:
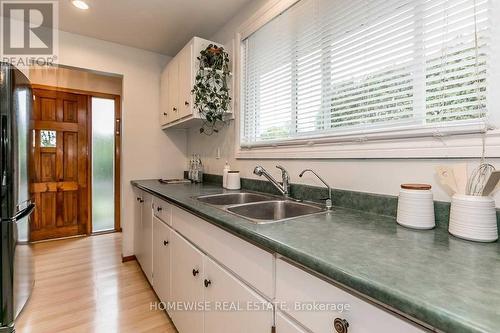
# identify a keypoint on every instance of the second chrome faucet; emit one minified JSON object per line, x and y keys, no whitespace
{"x":328,"y":201}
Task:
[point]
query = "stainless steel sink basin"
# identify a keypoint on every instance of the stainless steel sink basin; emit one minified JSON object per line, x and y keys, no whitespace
{"x":227,"y":199}
{"x":274,"y":211}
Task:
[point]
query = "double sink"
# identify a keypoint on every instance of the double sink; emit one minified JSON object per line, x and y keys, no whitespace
{"x":260,"y":208}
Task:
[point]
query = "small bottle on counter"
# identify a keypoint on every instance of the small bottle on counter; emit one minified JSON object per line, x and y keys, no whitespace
{"x":225,"y":171}
{"x":199,"y":170}
{"x":191,"y":168}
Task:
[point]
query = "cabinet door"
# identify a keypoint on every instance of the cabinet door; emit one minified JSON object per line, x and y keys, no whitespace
{"x":285,"y":325}
{"x":161,"y":259}
{"x":173,"y":90}
{"x":147,"y":237}
{"x":234,"y":307}
{"x":138,"y":200}
{"x":187,"y":285}
{"x":164,"y":96}
{"x":185,"y":80}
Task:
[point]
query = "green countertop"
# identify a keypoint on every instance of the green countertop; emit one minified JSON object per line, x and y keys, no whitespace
{"x":448,"y":283}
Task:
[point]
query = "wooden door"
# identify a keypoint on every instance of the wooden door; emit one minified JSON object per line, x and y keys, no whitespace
{"x":59,"y":165}
{"x":246,"y":311}
{"x":161,"y":259}
{"x":187,"y":284}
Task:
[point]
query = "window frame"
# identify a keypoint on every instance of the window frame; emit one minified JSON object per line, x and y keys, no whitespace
{"x":455,"y":141}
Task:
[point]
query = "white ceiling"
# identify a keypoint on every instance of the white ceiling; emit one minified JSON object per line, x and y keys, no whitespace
{"x":162,"y":26}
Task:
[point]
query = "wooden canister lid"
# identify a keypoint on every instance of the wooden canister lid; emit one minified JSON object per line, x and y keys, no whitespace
{"x":416,"y":186}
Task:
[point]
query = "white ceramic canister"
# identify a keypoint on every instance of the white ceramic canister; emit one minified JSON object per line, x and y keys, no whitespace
{"x":233,"y":180}
{"x":473,"y":218}
{"x":416,"y":206}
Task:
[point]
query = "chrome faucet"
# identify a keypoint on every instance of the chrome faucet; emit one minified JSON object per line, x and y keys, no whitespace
{"x":284,"y":187}
{"x":329,"y":202}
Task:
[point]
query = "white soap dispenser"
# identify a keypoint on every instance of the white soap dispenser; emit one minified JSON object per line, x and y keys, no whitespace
{"x":225,"y":171}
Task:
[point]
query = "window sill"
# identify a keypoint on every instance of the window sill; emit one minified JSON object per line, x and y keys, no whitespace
{"x":452,"y":146}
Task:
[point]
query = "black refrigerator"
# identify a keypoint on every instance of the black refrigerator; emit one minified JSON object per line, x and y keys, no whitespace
{"x":17,"y":273}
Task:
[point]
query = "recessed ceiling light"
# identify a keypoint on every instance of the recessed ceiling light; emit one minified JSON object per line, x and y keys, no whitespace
{"x":80,"y":4}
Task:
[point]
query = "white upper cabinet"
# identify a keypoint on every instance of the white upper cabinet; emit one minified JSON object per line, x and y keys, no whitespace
{"x":164,"y":97}
{"x":177,"y":80}
{"x":186,"y":81}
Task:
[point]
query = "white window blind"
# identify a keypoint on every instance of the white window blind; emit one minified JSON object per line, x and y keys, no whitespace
{"x":336,"y":68}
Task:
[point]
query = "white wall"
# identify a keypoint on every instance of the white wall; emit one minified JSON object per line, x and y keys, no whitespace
{"x":367,"y":175}
{"x":147,"y":151}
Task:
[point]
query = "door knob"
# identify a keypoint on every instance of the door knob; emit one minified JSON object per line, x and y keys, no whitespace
{"x":195,"y":272}
{"x":186,"y":103}
{"x":207,"y":283}
{"x":165,"y":243}
{"x":164,"y":113}
{"x":174,"y":109}
{"x":159,"y":209}
{"x":341,"y":325}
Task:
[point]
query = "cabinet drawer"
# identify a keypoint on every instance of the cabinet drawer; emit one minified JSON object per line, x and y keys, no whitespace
{"x":295,"y":286}
{"x":162,"y":210}
{"x":249,"y":262}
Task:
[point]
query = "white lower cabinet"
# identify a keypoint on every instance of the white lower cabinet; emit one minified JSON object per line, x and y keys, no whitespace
{"x":146,"y":252}
{"x":161,"y":259}
{"x":137,"y":204}
{"x":285,"y":325}
{"x":234,"y":307}
{"x":250,"y":263}
{"x":143,"y":232}
{"x":216,"y":282}
{"x":187,"y":285}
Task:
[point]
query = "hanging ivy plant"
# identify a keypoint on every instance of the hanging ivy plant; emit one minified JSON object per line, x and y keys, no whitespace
{"x":211,"y":92}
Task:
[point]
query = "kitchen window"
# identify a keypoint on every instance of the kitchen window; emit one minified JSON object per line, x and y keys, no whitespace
{"x":361,"y":70}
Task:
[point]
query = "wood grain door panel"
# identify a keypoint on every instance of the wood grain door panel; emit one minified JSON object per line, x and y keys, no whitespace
{"x":59,"y":185}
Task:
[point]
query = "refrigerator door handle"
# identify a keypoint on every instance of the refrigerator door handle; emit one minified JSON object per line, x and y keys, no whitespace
{"x":23,"y":213}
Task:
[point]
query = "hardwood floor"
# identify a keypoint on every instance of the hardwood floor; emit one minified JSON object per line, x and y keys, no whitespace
{"x":82,"y":286}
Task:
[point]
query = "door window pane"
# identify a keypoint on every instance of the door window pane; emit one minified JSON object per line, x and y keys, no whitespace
{"x":48,"y":139}
{"x":103,"y":153}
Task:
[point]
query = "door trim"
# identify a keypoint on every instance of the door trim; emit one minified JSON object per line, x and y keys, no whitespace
{"x":118,"y":148}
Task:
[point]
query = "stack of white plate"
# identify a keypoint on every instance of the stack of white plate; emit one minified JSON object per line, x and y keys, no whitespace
{"x":416,"y":206}
{"x":473,"y":218}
